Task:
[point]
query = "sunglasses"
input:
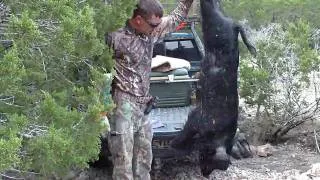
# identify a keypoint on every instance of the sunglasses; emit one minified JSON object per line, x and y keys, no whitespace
{"x":151,"y":24}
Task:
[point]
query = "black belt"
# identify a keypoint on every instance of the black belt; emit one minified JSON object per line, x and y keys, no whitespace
{"x":140,"y":99}
{"x":134,"y":98}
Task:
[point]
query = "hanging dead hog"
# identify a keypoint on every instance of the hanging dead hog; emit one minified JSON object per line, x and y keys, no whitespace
{"x":212,"y":125}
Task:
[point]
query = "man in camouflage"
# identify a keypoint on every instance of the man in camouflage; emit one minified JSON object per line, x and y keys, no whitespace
{"x":131,"y":132}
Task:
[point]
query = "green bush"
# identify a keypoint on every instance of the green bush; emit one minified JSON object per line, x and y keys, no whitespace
{"x":53,"y":83}
{"x":277,"y":82}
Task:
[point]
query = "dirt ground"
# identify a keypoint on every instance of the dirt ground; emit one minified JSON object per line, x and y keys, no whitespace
{"x":285,"y":161}
{"x":288,"y":160}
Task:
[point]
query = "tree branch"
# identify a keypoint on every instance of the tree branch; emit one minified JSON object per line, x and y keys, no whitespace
{"x":10,"y":177}
{"x":316,"y":140}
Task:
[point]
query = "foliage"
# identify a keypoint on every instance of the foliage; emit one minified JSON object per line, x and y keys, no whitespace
{"x":262,"y":12}
{"x":53,"y":83}
{"x":277,"y":79}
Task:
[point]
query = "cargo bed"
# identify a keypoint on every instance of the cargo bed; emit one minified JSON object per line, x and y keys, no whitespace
{"x":167,"y":123}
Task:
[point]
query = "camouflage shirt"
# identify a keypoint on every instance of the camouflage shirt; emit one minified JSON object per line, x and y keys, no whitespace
{"x":133,"y":52}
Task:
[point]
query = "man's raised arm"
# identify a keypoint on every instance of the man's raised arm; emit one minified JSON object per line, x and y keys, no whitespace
{"x":170,"y":22}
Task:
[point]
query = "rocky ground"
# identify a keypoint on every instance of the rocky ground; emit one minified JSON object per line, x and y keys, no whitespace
{"x":295,"y":158}
{"x":288,"y":161}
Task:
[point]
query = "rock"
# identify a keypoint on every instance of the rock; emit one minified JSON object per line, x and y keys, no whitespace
{"x":71,"y":175}
{"x":263,"y":151}
{"x":83,"y":176}
{"x":302,"y":176}
{"x":313,"y":173}
{"x":315,"y":170}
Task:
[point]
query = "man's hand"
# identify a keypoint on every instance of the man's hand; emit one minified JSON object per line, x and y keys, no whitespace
{"x":151,"y":105}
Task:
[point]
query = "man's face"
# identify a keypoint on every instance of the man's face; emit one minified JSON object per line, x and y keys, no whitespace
{"x":147,"y":25}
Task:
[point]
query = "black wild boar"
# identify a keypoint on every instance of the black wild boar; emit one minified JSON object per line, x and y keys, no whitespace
{"x":213,"y":123}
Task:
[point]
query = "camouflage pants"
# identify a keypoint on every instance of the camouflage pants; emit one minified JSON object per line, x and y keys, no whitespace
{"x":131,"y":146}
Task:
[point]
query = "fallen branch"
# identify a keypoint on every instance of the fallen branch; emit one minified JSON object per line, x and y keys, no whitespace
{"x":315,"y":138}
{"x":9,"y":177}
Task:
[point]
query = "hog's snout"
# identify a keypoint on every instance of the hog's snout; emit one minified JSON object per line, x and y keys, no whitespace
{"x":220,"y":160}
